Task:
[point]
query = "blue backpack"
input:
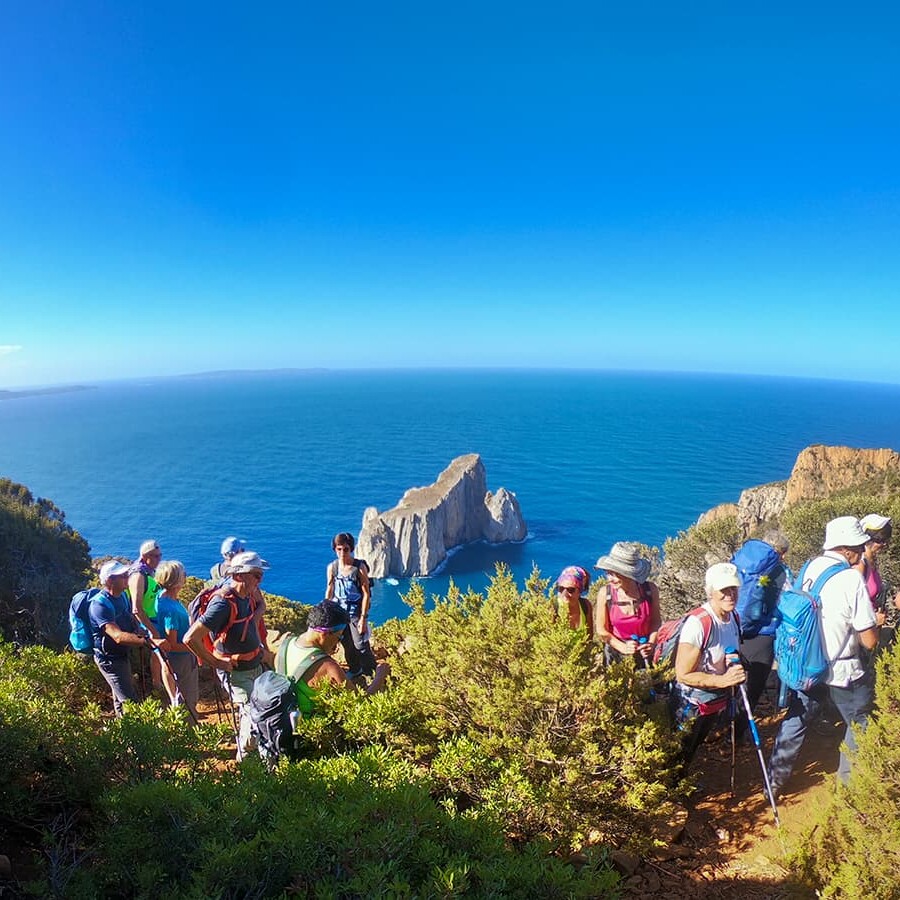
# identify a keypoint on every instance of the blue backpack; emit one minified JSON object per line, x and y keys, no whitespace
{"x":80,"y":634}
{"x":760,"y":569}
{"x":799,"y":645}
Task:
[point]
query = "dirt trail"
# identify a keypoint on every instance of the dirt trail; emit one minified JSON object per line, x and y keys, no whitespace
{"x":730,"y":847}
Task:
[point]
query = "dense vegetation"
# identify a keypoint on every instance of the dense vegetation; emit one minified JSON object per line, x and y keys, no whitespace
{"x":476,"y":773}
{"x":43,"y":561}
{"x":502,"y":746}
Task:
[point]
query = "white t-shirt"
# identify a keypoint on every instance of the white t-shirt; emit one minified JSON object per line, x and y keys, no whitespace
{"x":846,"y":610}
{"x":722,"y":636}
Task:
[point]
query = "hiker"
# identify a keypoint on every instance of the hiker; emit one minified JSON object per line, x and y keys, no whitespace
{"x":180,"y":677}
{"x":114,"y":629}
{"x":232,"y":622}
{"x":879,"y":529}
{"x":231,"y":546}
{"x":307,"y":658}
{"x":347,"y":583}
{"x":571,"y":604}
{"x":704,"y":673}
{"x":847,"y":625}
{"x":763,"y":574}
{"x":627,"y":613}
{"x":143,"y":590}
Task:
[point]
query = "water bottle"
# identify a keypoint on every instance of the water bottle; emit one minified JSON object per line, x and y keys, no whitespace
{"x":732,"y":657}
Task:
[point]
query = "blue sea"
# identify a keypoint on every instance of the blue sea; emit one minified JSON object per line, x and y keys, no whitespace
{"x":285,"y":460}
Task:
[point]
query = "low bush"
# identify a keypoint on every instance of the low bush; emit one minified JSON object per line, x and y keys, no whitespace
{"x":687,"y":557}
{"x":854,"y":849}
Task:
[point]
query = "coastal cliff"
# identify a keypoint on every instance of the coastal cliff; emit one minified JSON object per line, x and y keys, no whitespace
{"x":819,"y":471}
{"x":415,"y":536}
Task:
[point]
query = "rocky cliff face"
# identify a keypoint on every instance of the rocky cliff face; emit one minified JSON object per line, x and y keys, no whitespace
{"x":415,"y":536}
{"x":819,"y":471}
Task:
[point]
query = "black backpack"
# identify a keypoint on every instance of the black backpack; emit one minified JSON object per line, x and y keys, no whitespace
{"x":272,"y":702}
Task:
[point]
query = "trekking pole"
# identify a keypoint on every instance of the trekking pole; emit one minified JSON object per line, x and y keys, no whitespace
{"x":640,"y":659}
{"x":733,"y":658}
{"x":755,"y":732}
{"x":234,"y":716}
{"x":733,"y":706}
{"x":168,"y":664}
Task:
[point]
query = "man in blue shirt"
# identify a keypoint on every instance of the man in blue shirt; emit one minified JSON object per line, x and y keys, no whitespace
{"x":114,"y":630}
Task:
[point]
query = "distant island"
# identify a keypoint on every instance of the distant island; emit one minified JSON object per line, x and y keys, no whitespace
{"x":38,"y":392}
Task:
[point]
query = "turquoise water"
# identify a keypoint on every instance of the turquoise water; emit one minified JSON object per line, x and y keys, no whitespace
{"x":287,"y":460}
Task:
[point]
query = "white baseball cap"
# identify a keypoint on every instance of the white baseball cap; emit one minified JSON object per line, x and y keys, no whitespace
{"x":844,"y":531}
{"x":248,"y":561}
{"x":110,"y":569}
{"x":722,"y":575}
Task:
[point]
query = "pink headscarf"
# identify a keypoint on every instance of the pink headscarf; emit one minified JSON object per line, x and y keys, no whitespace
{"x":574,"y":576}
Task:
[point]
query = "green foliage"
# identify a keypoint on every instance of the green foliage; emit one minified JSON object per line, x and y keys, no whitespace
{"x":517,"y":719}
{"x":804,"y":526}
{"x":43,"y":562}
{"x":350,"y":826}
{"x":854,"y":849}
{"x":285,"y":615}
{"x":687,"y":558}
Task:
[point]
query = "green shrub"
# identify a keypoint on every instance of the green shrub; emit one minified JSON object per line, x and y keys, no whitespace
{"x":516,"y":717}
{"x":351,"y":826}
{"x":804,"y":526}
{"x":43,"y":562}
{"x":854,"y":849}
{"x":687,"y":558}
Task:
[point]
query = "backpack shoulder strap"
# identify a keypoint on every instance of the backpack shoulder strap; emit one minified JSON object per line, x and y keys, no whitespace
{"x":819,"y":583}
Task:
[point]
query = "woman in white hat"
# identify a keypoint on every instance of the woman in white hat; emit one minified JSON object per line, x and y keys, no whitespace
{"x":878,"y":528}
{"x":628,"y":620}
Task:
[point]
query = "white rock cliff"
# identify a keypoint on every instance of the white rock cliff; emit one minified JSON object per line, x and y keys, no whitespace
{"x":415,"y":536}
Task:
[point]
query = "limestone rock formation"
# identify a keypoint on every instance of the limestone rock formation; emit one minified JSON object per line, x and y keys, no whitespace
{"x":760,"y":504}
{"x":415,"y":536}
{"x":722,"y":511}
{"x":820,"y":471}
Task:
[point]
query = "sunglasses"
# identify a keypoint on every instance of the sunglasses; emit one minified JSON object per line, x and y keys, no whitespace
{"x":567,"y":590}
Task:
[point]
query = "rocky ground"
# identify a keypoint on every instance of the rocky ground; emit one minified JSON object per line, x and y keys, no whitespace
{"x":729,"y":847}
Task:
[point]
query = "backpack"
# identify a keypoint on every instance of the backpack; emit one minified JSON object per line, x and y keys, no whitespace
{"x":199,"y":604}
{"x":273,"y":703}
{"x":799,"y":645}
{"x":81,"y":635}
{"x":667,"y":637}
{"x":354,"y":572}
{"x":759,"y":567}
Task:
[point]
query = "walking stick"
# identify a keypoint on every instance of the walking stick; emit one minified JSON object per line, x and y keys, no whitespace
{"x":733,"y":706}
{"x":168,"y":664}
{"x":755,"y":732}
{"x":234,"y":716}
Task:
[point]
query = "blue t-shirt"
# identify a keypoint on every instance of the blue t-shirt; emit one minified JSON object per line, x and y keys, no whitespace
{"x":243,"y":636}
{"x":104,"y":609}
{"x":171,"y":615}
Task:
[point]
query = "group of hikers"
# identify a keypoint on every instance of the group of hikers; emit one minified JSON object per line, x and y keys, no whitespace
{"x":224,"y":628}
{"x":820,"y":628}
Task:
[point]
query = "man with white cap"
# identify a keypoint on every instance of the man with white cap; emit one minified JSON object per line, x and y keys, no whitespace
{"x":114,"y":629}
{"x":848,"y":624}
{"x":704,"y":672}
{"x":230,"y":636}
{"x":231,"y":546}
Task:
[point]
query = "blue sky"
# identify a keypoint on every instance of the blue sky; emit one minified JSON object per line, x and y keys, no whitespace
{"x":189,"y":186}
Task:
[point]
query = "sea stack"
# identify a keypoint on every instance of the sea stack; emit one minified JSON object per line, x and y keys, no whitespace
{"x":415,"y":536}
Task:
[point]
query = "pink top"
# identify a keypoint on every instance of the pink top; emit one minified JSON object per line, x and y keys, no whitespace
{"x":874,"y":583}
{"x":622,"y":625}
